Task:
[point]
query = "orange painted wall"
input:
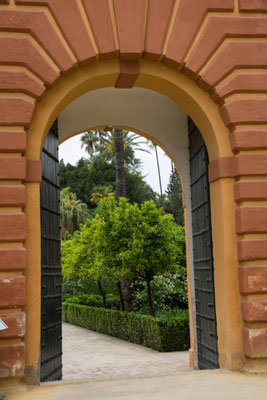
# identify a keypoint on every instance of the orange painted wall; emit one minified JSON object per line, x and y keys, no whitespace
{"x":209,"y":57}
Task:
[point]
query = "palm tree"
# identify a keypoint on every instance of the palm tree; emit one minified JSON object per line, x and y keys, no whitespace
{"x":159,"y":174}
{"x":92,"y":141}
{"x":89,"y":141}
{"x":111,"y":145}
{"x":102,"y":142}
{"x":153,"y":146}
{"x":115,"y":144}
{"x":119,"y":164}
{"x":125,"y":286}
{"x":73,"y":212}
{"x":101,"y":192}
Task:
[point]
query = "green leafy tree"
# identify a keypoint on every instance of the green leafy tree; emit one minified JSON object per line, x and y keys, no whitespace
{"x":169,"y":290}
{"x":124,"y":241}
{"x":153,"y":248}
{"x":169,"y":293}
{"x":174,"y":197}
{"x":116,"y":234}
{"x":85,"y":178}
{"x":81,"y":260}
{"x":95,"y":251}
{"x":125,"y":286}
{"x":73,"y":212}
{"x":116,"y":145}
{"x":99,"y":192}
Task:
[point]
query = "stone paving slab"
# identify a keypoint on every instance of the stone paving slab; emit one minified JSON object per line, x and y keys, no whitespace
{"x":106,"y":368}
{"x":204,"y":385}
{"x":91,"y":356}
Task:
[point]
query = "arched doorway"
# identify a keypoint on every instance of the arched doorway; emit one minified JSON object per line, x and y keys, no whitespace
{"x":193,"y":53}
{"x":161,"y":118}
{"x":152,"y":80}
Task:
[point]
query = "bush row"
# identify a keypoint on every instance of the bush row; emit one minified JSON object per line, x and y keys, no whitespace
{"x":157,"y":333}
{"x":93,"y":300}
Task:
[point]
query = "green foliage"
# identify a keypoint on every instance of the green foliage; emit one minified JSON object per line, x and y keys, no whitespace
{"x":113,"y":301}
{"x":101,"y":143}
{"x":85,"y":178}
{"x":124,"y":241}
{"x":71,"y":288}
{"x":181,"y":247}
{"x":169,"y":314}
{"x":93,"y":300}
{"x":173,"y":203}
{"x":152,"y":249}
{"x":69,"y":248}
{"x":87,"y":286}
{"x":169,"y":292}
{"x":94,"y":252}
{"x":73,"y":212}
{"x":160,"y":334}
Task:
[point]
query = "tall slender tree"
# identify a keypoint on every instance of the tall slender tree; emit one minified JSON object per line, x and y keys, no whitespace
{"x":119,"y":164}
{"x":73,"y":212}
{"x":102,"y":143}
{"x":125,"y":286}
{"x":113,"y":144}
{"x":159,"y":174}
{"x":154,"y":147}
{"x":90,"y":141}
{"x":174,"y":199}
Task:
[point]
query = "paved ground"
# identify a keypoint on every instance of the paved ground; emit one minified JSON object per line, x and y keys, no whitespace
{"x":191,"y":386}
{"x":90,"y":356}
{"x":115,"y":370}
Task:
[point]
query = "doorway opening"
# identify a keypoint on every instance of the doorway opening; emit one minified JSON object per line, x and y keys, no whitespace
{"x":199,"y":243}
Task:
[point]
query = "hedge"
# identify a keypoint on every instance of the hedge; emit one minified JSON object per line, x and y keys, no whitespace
{"x":93,"y":300}
{"x":157,"y":333}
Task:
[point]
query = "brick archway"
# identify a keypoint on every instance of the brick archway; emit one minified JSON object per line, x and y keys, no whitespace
{"x":216,"y":47}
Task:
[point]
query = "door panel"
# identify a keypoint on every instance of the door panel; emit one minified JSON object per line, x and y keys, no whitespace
{"x":51,"y":278}
{"x":202,"y":252}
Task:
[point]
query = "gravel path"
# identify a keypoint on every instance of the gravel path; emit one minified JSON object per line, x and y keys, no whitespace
{"x":90,"y":356}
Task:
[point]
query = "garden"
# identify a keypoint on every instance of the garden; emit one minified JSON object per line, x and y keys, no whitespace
{"x":125,"y":275}
{"x":124,"y":264}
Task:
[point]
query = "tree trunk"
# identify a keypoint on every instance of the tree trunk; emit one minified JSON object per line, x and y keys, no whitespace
{"x":160,"y":183}
{"x":125,"y":285}
{"x":128,"y":294}
{"x":149,"y":296}
{"x":119,"y":164}
{"x":121,"y":297}
{"x":102,"y":292}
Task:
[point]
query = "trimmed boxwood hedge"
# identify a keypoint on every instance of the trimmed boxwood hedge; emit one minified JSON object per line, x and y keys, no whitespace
{"x":93,"y":300}
{"x":157,"y":333}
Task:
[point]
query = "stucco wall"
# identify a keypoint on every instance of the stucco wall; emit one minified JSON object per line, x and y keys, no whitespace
{"x":209,"y":57}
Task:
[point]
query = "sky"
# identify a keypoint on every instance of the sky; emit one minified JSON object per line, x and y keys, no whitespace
{"x":71,"y":152}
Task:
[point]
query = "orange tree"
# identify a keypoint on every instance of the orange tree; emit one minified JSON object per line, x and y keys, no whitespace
{"x":124,"y":241}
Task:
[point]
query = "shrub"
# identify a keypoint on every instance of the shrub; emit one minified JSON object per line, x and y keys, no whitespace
{"x":93,"y":300}
{"x":87,"y":286}
{"x":160,"y":334}
{"x":169,"y":314}
{"x":113,"y":301}
{"x":169,"y":292}
{"x":70,"y":299}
